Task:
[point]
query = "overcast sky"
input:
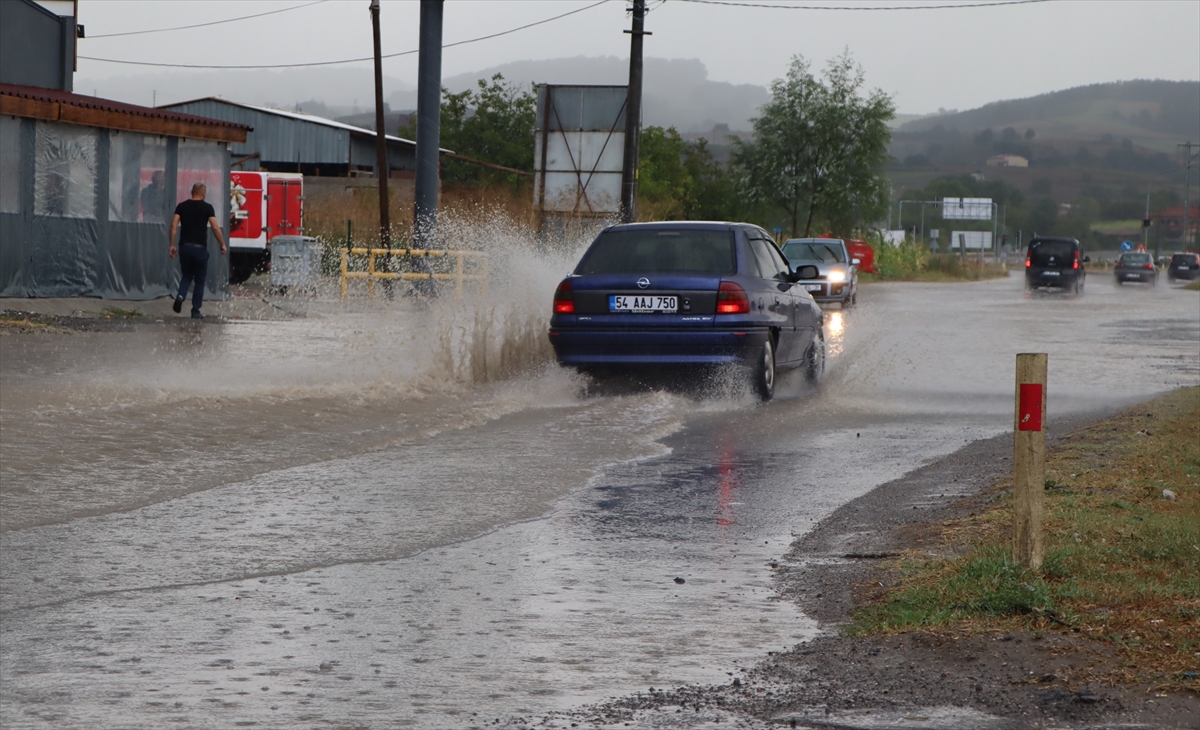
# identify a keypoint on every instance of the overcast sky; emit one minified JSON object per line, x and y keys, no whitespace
{"x":953,"y":58}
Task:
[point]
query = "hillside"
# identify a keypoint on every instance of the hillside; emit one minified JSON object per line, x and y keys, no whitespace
{"x":1155,"y":115}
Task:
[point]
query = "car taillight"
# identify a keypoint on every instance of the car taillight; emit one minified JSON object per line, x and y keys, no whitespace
{"x":1147,"y":266}
{"x":1028,"y":262}
{"x":564,"y":301}
{"x":1075,"y":263}
{"x":732,"y":299}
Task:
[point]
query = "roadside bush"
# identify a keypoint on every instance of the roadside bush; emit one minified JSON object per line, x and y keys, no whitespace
{"x":896,"y":262}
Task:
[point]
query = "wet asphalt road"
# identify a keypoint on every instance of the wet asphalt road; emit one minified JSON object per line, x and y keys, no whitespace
{"x":334,"y":522}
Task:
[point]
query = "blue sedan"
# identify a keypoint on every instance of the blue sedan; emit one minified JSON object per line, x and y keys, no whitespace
{"x":649,"y":296}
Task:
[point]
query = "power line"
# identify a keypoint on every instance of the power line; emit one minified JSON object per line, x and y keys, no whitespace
{"x":348,"y":60}
{"x":203,"y":25}
{"x":734,"y":3}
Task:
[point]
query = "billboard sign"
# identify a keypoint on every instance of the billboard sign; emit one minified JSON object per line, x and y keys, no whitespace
{"x":967,"y":209}
{"x":971,"y":240}
{"x":579,"y":150}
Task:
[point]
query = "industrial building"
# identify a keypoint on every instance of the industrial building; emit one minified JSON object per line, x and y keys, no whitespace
{"x":284,"y":141}
{"x":87,"y":185}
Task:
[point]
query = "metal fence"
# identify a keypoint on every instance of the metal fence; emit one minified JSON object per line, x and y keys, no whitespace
{"x":468,"y":266}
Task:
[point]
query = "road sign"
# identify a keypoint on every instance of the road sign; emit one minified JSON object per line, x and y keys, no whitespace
{"x":1126,"y":245}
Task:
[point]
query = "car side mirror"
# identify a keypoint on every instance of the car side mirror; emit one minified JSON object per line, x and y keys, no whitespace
{"x":855,"y":262}
{"x":807,"y":271}
{"x":1087,"y":259}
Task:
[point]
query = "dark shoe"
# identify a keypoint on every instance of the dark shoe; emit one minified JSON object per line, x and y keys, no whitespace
{"x":178,"y":305}
{"x":197,"y":315}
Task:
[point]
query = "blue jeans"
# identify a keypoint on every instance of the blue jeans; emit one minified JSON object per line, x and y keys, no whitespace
{"x":193,"y":262}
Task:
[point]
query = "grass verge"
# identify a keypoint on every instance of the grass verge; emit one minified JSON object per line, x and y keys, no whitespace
{"x":118,"y":313}
{"x":1122,"y":560}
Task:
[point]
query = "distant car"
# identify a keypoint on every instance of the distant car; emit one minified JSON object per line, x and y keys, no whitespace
{"x":1183,"y":266}
{"x":663,"y":296}
{"x":1055,"y":263}
{"x":837,"y":277}
{"x":1136,"y":266}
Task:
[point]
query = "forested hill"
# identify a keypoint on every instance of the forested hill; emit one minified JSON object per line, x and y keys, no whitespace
{"x":1124,"y":109}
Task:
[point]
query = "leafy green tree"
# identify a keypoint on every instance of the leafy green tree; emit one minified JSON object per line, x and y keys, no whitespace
{"x":819,"y":147}
{"x":664,"y":184}
{"x":493,"y":123}
{"x":714,"y":195}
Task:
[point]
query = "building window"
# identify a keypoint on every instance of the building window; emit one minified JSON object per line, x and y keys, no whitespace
{"x":64,"y":178}
{"x":10,"y":165}
{"x":137,"y":189}
{"x":203,"y":162}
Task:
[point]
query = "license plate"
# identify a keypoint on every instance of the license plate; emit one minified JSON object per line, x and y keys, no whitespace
{"x":1132,"y":276}
{"x":1049,"y":273}
{"x":812,"y":287}
{"x":642,"y":303}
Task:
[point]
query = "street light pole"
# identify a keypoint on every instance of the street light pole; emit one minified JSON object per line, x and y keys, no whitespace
{"x":429,"y":114}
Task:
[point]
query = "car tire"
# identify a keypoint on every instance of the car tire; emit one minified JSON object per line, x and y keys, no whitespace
{"x":763,"y":375}
{"x":814,"y":358}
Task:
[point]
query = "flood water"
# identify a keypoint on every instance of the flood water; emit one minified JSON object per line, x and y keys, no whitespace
{"x":389,"y":516}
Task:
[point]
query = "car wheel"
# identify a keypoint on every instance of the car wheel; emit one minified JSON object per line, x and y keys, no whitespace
{"x":763,"y":376}
{"x":1119,"y":282}
{"x":814,"y":358}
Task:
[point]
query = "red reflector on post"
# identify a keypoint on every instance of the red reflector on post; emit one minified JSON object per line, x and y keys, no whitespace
{"x":1029,"y":407}
{"x":732,"y":299}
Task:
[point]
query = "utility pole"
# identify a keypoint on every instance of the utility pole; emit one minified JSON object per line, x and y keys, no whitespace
{"x":429,"y":115}
{"x":1187,"y":186}
{"x":633,"y":114}
{"x":382,"y":168}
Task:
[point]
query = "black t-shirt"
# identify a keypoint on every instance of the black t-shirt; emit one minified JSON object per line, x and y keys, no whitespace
{"x":193,"y":221}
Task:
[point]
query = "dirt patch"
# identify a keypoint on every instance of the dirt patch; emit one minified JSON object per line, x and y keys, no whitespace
{"x":16,"y":322}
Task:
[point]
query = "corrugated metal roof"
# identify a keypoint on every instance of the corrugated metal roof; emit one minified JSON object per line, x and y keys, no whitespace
{"x":58,"y":96}
{"x":298,"y":116}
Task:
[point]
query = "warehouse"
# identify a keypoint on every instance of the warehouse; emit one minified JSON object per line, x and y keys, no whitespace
{"x":283,"y":141}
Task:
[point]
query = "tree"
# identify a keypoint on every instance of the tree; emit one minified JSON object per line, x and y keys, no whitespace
{"x":493,"y":123}
{"x":664,"y":185}
{"x":819,"y":147}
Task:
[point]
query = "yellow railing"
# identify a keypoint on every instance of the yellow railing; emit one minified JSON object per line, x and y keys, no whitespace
{"x":459,"y":275}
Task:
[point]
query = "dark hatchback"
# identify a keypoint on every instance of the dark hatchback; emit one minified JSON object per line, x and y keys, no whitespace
{"x":1183,"y":266}
{"x":1135,"y":266}
{"x":1055,"y":263}
{"x":660,"y":296}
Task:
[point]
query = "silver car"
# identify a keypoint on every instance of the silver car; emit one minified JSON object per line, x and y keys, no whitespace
{"x":838,"y":277}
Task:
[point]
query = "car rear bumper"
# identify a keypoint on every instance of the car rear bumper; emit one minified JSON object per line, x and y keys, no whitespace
{"x":1184,"y":273}
{"x":1135,"y":275}
{"x":585,"y":347}
{"x":1040,"y":280}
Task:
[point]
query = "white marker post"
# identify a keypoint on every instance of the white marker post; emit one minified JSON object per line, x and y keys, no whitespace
{"x":1029,"y":460}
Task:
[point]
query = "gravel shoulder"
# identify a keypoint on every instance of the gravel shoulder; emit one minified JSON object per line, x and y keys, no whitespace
{"x":912,"y":680}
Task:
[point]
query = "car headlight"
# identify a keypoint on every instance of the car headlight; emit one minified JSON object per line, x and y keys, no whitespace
{"x":837,"y":275}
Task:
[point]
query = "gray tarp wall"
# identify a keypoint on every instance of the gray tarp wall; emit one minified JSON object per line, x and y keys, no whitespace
{"x":81,"y":213}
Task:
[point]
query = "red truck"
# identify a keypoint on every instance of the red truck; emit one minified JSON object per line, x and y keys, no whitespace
{"x":262,"y":205}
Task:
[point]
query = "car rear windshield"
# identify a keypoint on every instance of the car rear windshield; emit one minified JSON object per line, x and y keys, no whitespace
{"x":658,"y":251}
{"x":1135,"y":258}
{"x":1041,"y":252}
{"x":1183,"y":258}
{"x":814,"y":253}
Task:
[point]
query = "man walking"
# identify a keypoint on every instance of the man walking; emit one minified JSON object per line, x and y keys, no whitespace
{"x":194,"y":216}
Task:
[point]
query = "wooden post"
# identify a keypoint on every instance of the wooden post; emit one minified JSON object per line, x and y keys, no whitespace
{"x":1029,"y":460}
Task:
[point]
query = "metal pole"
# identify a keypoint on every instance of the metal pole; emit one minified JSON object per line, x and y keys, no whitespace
{"x":381,"y":157}
{"x":429,"y":114}
{"x":1187,"y":189}
{"x":633,"y":115}
{"x":1145,"y":225}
